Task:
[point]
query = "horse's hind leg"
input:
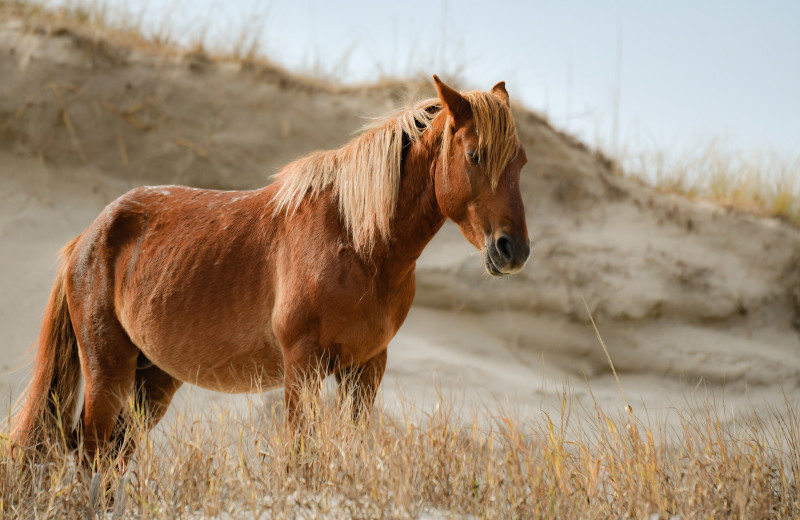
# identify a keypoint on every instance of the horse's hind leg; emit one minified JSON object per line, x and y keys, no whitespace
{"x":108,"y":359}
{"x":154,"y":391}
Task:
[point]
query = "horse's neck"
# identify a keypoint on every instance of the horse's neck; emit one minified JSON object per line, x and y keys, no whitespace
{"x":418,"y":216}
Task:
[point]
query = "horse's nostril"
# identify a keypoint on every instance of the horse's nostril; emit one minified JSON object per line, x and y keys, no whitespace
{"x":503,"y":245}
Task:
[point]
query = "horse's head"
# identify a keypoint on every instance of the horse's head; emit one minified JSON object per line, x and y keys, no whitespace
{"x":478,"y":184}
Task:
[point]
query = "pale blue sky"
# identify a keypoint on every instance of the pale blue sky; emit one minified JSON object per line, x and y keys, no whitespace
{"x":684,"y":72}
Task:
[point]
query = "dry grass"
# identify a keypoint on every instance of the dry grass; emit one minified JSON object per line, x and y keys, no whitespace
{"x":94,"y":20}
{"x":219,"y":463}
{"x":113,"y":31}
{"x":105,"y":28}
{"x":763,"y":184}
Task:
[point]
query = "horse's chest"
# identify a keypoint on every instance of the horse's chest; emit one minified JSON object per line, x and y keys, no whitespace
{"x":367,"y":328}
{"x":347,"y":310}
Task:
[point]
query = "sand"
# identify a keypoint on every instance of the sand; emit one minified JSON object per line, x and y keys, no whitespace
{"x":688,"y":297}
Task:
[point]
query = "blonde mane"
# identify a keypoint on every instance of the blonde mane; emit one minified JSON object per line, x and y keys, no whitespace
{"x":497,"y":134}
{"x":364,"y":175}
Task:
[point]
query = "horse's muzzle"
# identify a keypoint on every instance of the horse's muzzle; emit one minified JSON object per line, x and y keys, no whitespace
{"x":506,"y":255}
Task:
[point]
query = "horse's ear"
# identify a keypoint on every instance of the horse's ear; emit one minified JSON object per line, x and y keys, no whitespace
{"x":456,"y":104}
{"x":500,"y":91}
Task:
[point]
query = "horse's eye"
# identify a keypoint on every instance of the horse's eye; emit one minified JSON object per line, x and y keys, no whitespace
{"x":472,"y":157}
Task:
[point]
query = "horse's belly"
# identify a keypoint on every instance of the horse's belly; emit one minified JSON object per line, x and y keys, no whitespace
{"x":223,"y":365}
{"x":229,"y":350}
{"x":237,"y":378}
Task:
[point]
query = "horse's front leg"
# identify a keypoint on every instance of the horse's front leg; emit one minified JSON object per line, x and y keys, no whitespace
{"x":361,"y":382}
{"x":304,"y":371}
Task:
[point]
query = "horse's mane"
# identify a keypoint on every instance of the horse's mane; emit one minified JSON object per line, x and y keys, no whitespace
{"x":364,"y":174}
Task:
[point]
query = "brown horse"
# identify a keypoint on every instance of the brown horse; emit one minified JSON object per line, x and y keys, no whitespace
{"x":228,"y":289}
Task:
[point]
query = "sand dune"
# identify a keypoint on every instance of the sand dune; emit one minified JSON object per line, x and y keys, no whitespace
{"x":683,"y":293}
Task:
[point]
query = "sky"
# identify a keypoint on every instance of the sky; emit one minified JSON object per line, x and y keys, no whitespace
{"x":629,"y":76}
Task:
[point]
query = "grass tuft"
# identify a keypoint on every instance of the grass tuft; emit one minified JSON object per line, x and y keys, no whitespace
{"x":764,"y":184}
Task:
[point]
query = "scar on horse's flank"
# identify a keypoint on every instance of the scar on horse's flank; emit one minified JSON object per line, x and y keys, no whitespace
{"x":280,"y":286}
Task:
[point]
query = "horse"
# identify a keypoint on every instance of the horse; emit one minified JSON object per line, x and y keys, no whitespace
{"x":309,"y":276}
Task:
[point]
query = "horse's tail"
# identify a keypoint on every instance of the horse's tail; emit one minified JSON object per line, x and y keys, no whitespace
{"x":48,"y":409}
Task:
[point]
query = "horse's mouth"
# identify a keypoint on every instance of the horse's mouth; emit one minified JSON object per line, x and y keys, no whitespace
{"x":490,"y":267}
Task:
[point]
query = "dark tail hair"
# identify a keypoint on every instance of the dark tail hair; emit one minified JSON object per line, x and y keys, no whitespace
{"x":48,"y":409}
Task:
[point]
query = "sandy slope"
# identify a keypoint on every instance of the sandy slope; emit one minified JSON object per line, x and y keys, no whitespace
{"x":682,"y":293}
